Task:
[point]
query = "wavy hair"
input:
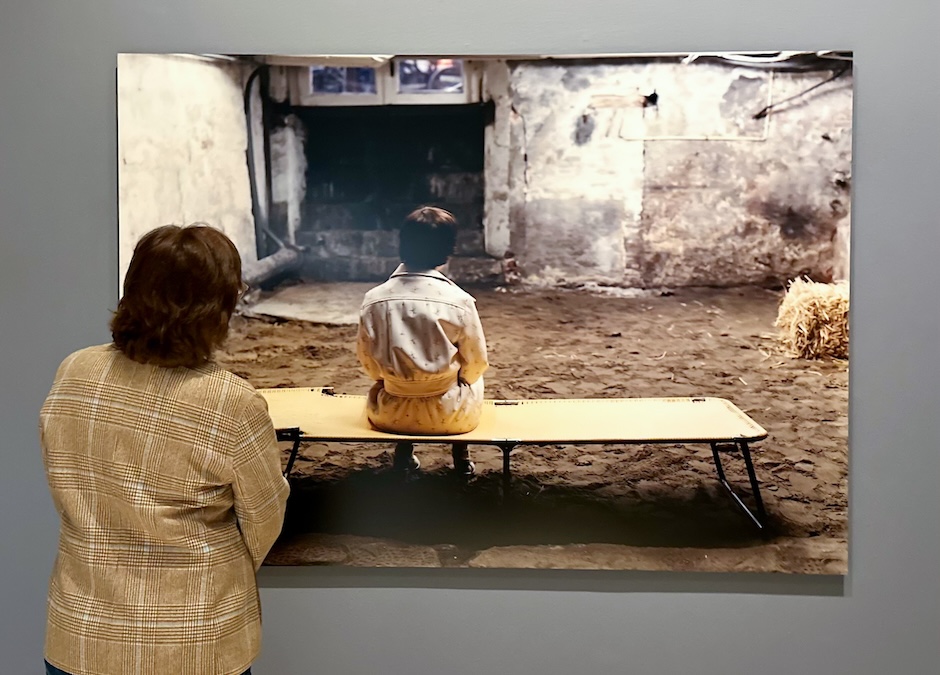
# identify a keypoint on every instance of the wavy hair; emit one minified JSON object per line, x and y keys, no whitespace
{"x":180,"y":292}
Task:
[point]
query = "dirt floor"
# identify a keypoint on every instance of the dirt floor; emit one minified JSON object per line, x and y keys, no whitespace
{"x":596,"y":507}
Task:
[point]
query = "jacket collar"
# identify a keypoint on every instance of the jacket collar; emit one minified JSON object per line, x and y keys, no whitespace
{"x":403,"y":271}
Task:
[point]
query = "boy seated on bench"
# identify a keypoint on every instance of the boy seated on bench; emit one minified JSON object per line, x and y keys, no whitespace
{"x":421,"y":340}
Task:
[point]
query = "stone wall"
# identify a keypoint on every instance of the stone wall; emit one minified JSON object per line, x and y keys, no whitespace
{"x":577,"y":175}
{"x":588,"y":180}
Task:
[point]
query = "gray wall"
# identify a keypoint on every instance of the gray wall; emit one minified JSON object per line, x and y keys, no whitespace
{"x":58,"y":264}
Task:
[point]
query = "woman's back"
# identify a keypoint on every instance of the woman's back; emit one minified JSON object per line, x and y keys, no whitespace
{"x":163,"y":479}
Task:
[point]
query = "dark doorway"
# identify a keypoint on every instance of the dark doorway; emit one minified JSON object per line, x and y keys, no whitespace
{"x":369,"y":166}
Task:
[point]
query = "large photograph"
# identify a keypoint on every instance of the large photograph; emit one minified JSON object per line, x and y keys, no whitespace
{"x":527,"y":311}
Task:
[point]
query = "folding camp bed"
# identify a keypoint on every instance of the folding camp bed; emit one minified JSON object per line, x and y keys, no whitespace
{"x":321,"y":415}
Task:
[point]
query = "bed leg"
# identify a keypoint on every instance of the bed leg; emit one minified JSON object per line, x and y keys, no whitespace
{"x":507,"y":477}
{"x":718,"y":467}
{"x":760,"y":519}
{"x":755,"y":487}
{"x":292,"y":435}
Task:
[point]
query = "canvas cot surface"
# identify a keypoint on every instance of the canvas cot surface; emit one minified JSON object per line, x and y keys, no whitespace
{"x":324,"y":416}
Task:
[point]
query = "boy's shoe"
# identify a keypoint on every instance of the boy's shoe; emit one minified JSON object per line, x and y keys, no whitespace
{"x":407,"y":463}
{"x":464,"y":468}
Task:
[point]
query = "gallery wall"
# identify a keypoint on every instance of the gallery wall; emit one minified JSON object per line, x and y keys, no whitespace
{"x":59,"y":263}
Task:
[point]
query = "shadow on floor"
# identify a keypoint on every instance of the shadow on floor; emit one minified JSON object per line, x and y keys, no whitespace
{"x":435,"y":508}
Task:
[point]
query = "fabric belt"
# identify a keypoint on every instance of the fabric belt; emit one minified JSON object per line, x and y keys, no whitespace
{"x":421,"y":388}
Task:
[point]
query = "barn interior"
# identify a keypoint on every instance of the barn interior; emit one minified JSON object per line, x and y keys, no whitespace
{"x":630,"y":226}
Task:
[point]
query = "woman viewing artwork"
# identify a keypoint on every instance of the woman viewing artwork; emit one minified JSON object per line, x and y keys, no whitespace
{"x":166,"y":474}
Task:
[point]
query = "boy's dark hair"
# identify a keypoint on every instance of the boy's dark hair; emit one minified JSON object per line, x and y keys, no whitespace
{"x":427,"y":238}
{"x":180,"y":291}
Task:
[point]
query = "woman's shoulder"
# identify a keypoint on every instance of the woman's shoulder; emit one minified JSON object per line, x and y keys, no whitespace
{"x":219,"y":372}
{"x":239,"y":387}
{"x":217,"y":390}
{"x":85,"y":357}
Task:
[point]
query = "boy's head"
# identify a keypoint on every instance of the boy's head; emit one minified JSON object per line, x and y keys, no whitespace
{"x":427,"y":238}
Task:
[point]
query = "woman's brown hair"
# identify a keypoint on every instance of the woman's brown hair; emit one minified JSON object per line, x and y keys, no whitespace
{"x":180,"y":292}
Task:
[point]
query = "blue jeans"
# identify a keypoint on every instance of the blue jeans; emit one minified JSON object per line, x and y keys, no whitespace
{"x":52,"y":670}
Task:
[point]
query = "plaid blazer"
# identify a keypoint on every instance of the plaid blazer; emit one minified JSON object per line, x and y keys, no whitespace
{"x":169,"y":487}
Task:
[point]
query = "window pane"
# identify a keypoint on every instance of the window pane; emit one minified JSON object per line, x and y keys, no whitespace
{"x":417,"y":76}
{"x":342,"y":80}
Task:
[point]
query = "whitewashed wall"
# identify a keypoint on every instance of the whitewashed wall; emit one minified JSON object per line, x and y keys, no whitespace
{"x":182,"y":145}
{"x":288,"y":173}
{"x":585,"y":184}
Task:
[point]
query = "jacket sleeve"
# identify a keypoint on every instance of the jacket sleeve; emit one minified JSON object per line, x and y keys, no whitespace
{"x":49,"y":460}
{"x":364,"y":349}
{"x":472,"y":346}
{"x":259,"y":485}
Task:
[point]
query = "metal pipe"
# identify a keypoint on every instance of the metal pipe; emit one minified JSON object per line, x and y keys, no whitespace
{"x":281,"y":262}
{"x":286,"y":258}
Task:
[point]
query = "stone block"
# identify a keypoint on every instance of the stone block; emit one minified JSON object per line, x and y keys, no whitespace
{"x":326,"y":269}
{"x":470,"y":243}
{"x":475,"y":270}
{"x":456,"y":188}
{"x":572,"y":240}
{"x":327,"y":217}
{"x":372,"y":268}
{"x":383,"y":243}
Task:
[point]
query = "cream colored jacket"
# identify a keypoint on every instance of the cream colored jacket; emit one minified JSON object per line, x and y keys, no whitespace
{"x":421,"y":340}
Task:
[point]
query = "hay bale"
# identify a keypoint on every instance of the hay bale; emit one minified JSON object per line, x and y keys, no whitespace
{"x":814,"y":319}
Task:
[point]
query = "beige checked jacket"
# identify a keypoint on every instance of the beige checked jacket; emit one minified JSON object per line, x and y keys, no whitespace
{"x":170,"y":491}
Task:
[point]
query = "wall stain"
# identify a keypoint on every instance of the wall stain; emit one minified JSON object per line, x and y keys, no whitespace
{"x":583,"y":129}
{"x":740,"y":99}
{"x":574,"y":82}
{"x":801,"y":223}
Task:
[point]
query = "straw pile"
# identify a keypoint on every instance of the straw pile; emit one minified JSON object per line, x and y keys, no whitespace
{"x":814,"y":319}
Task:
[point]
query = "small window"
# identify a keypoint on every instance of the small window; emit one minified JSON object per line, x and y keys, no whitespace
{"x":342,"y":80}
{"x":419,"y":76}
